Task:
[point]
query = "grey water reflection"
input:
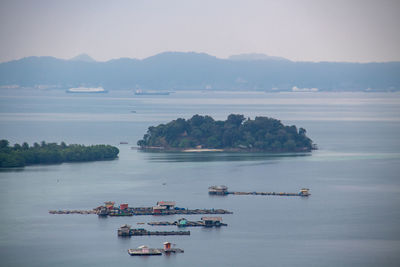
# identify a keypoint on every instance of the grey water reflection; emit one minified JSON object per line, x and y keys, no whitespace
{"x":158,"y":156}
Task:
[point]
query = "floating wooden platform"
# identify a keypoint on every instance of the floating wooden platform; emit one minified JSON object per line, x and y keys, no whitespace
{"x":143,"y":212}
{"x":188,"y":224}
{"x":72,"y":211}
{"x":147,"y":252}
{"x":223,"y":190}
{"x":185,"y":223}
{"x":125,"y":230}
{"x":162,"y":208}
{"x":265,"y":193}
{"x":153,"y":251}
{"x":132,"y":211}
{"x":173,"y":250}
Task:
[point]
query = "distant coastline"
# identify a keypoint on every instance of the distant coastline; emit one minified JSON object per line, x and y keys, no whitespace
{"x":198,"y":71}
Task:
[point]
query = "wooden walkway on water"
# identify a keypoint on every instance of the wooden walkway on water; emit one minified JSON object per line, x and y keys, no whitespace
{"x":125,"y":230}
{"x":143,"y":211}
{"x":187,"y":224}
{"x":265,"y":193}
{"x":223,"y":190}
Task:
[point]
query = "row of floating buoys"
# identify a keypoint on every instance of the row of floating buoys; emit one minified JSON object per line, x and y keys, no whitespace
{"x":72,"y":212}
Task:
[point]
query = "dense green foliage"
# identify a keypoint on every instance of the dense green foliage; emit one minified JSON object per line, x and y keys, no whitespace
{"x":22,"y":155}
{"x":236,"y":133}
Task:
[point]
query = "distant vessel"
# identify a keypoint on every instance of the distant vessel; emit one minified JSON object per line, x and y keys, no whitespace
{"x":141,"y":92}
{"x":103,"y":212}
{"x":87,"y":90}
{"x":144,"y":251}
{"x":297,"y":89}
{"x":218,"y":190}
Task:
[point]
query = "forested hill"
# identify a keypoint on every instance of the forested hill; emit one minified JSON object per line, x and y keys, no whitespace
{"x":234,"y":134}
{"x":50,"y":153}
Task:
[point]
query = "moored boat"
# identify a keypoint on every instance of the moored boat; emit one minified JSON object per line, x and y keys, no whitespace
{"x":144,"y":251}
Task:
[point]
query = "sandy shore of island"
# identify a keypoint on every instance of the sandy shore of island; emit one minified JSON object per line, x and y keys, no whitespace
{"x":203,"y":150}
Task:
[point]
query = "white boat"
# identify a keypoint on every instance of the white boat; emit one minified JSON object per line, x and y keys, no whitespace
{"x":87,"y":90}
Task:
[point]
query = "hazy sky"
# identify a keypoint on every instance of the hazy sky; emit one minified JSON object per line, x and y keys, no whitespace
{"x":301,"y":30}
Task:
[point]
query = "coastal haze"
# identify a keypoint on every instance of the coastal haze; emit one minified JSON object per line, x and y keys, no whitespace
{"x":308,"y":30}
{"x":173,"y":71}
{"x":98,"y":72}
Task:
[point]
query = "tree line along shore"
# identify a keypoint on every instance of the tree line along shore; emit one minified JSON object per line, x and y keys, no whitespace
{"x":199,"y":133}
{"x":236,"y":133}
{"x":52,"y":153}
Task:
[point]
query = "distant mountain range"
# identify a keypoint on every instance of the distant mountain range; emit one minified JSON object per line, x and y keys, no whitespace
{"x":255,"y":56}
{"x":198,"y":71}
{"x":83,"y":57}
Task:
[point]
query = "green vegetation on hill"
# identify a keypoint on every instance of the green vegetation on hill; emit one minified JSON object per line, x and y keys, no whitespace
{"x":235,"y":134}
{"x":43,"y":153}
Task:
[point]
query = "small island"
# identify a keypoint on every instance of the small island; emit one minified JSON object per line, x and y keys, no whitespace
{"x":236,"y":133}
{"x":52,"y":153}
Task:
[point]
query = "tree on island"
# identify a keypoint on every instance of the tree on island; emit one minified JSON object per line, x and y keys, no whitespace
{"x":236,"y":133}
{"x":50,"y":153}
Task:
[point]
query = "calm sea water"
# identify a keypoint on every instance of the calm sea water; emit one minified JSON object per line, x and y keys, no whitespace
{"x":351,"y":219}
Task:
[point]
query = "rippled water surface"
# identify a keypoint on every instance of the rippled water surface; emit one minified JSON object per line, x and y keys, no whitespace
{"x":352,"y":217}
